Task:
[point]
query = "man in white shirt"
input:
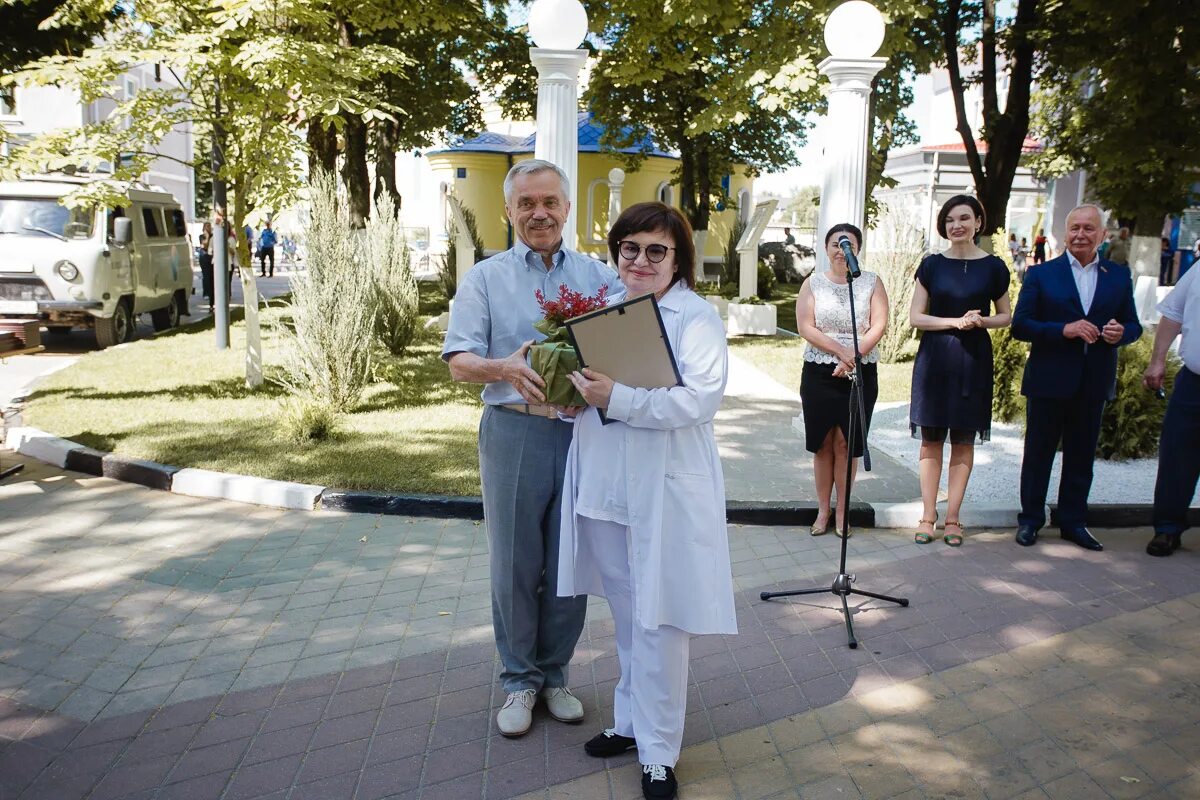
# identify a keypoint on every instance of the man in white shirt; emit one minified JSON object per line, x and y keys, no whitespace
{"x":1179,"y":444}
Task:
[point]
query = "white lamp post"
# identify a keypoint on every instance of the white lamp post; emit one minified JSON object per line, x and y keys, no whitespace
{"x":853,"y":34}
{"x":557,"y":28}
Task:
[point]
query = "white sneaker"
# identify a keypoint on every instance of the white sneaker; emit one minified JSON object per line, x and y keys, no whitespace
{"x":516,"y":715}
{"x":563,"y":706}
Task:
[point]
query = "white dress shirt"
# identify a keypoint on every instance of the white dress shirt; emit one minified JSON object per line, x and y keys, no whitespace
{"x":1085,"y":276}
{"x":1183,"y":305}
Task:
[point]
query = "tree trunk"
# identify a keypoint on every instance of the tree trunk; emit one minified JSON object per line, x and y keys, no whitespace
{"x":354,"y":164}
{"x":704,"y":184}
{"x":385,"y":162}
{"x":687,"y":180}
{"x":322,"y":147}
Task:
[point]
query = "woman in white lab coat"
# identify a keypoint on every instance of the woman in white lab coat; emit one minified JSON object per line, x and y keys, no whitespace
{"x":643,"y":510}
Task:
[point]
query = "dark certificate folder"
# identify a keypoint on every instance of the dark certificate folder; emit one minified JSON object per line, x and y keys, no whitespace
{"x":627,"y":342}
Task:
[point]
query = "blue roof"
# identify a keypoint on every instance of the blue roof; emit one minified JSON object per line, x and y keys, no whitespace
{"x":590,"y":132}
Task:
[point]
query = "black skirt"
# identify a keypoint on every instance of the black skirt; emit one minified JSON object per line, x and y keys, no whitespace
{"x":826,"y":403}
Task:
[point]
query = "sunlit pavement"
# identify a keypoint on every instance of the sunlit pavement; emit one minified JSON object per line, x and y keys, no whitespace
{"x":156,"y":646}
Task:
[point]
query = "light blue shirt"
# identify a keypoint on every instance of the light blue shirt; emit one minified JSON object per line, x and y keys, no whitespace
{"x":1085,"y":276}
{"x":495,"y":307}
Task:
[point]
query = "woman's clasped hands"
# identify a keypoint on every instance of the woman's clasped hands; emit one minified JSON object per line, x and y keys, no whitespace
{"x":971,"y":319}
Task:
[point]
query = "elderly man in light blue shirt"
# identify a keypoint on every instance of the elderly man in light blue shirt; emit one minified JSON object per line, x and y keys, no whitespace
{"x":523,"y":443}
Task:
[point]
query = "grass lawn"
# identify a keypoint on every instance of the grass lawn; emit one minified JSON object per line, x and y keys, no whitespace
{"x":177,"y":400}
{"x":783,"y":357}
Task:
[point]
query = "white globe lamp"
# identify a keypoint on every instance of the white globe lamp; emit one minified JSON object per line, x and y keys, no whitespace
{"x":558,"y":24}
{"x":854,"y":30}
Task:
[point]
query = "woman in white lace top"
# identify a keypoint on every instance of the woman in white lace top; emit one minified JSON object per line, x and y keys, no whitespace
{"x":823,"y":319}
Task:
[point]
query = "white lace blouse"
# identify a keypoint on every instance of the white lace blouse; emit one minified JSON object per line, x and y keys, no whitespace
{"x":831,"y":307}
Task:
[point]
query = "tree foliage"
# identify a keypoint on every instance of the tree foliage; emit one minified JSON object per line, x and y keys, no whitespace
{"x":1126,"y":113}
{"x":241,"y":71}
{"x":24,"y":39}
{"x":720,"y":83}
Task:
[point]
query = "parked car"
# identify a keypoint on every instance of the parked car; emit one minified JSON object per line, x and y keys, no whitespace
{"x":98,"y":268}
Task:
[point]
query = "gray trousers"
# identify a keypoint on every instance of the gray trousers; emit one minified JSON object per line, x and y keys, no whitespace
{"x":521,"y":463}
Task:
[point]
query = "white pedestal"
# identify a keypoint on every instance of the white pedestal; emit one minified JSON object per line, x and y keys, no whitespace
{"x":719,"y":303}
{"x":751,"y":320}
{"x":558,"y":119}
{"x":844,"y":187}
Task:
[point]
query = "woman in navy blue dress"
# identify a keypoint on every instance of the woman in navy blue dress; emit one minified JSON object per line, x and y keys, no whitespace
{"x":953,"y":304}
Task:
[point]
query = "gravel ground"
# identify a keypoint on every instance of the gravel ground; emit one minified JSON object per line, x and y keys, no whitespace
{"x":997,"y":473}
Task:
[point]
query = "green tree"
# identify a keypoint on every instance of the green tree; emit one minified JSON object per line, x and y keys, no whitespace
{"x":970,"y":30}
{"x":1126,"y":113}
{"x":720,"y":83}
{"x":242,"y":72}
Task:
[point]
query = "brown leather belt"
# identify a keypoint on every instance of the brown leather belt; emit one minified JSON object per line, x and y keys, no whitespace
{"x":536,"y":410}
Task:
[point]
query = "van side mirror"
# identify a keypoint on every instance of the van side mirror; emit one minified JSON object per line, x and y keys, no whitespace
{"x":122,"y":230}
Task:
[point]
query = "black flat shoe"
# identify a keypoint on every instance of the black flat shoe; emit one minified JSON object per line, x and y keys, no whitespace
{"x":1082,"y":537}
{"x":1164,"y":544}
{"x":658,"y":782}
{"x":609,"y":743}
{"x":1027,"y":535}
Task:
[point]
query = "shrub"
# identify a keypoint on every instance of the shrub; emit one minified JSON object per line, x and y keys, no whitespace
{"x":731,"y":266}
{"x":766,"y":281}
{"x":326,"y":348}
{"x":302,"y":421}
{"x":386,"y":252}
{"x":1008,"y":354}
{"x":1132,"y":422}
{"x":447,"y":271}
{"x":896,"y":249}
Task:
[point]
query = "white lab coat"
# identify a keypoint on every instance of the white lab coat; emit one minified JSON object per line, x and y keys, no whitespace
{"x":675,"y":490}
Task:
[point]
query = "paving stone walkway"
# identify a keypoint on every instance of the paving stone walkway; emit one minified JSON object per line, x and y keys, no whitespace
{"x":764,"y":458}
{"x":154,"y":646}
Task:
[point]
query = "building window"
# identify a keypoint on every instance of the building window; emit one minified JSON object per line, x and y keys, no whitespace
{"x":666,"y":193}
{"x":460,"y":172}
{"x":8,"y":101}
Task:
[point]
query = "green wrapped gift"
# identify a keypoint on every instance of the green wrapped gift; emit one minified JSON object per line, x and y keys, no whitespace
{"x":554,"y":359}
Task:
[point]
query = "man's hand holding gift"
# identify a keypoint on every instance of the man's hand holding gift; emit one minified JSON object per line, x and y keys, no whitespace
{"x":554,"y":359}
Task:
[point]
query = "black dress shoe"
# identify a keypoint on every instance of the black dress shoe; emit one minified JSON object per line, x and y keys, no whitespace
{"x":1082,"y":537}
{"x":658,"y":782}
{"x":1163,"y":544}
{"x":1026,"y":535}
{"x":608,"y":743}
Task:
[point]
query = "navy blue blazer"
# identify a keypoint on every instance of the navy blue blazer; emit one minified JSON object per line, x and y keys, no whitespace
{"x":1049,"y":300}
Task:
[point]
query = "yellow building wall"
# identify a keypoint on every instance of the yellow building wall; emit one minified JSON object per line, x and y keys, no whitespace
{"x":482,"y":192}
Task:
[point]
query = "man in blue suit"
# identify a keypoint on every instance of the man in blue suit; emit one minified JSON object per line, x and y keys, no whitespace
{"x":1075,"y":311}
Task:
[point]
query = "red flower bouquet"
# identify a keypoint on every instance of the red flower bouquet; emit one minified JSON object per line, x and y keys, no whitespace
{"x":554,"y":358}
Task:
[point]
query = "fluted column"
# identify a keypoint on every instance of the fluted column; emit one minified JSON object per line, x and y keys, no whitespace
{"x":844,"y":188}
{"x":558,"y":119}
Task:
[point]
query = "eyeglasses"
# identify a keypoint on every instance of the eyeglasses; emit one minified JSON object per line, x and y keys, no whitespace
{"x":631,"y":250}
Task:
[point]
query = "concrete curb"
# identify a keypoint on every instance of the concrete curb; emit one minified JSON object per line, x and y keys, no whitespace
{"x":246,"y":489}
{"x":65,"y":454}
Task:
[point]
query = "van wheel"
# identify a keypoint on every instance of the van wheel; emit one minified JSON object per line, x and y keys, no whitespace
{"x":116,"y":329}
{"x":166,"y":318}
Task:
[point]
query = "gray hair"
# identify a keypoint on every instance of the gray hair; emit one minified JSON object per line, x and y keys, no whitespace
{"x":1100,"y":212}
{"x":531,"y":167}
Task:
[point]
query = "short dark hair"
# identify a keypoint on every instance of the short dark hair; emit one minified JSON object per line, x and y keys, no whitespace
{"x":960,"y":200}
{"x":642,"y":217}
{"x":844,"y":227}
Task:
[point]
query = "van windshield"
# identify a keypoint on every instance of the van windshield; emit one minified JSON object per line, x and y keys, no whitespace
{"x":44,"y":216}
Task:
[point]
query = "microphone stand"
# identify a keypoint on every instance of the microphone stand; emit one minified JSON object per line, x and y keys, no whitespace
{"x":842,"y":582}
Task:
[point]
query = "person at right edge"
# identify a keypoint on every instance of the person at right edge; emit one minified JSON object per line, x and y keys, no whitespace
{"x":1179,"y":445}
{"x":1075,"y":311}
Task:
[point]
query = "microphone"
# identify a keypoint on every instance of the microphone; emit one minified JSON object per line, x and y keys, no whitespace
{"x":852,"y":267}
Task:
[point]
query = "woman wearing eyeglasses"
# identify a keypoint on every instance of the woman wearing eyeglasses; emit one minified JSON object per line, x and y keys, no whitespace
{"x":643,"y":511}
{"x":823,"y":319}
